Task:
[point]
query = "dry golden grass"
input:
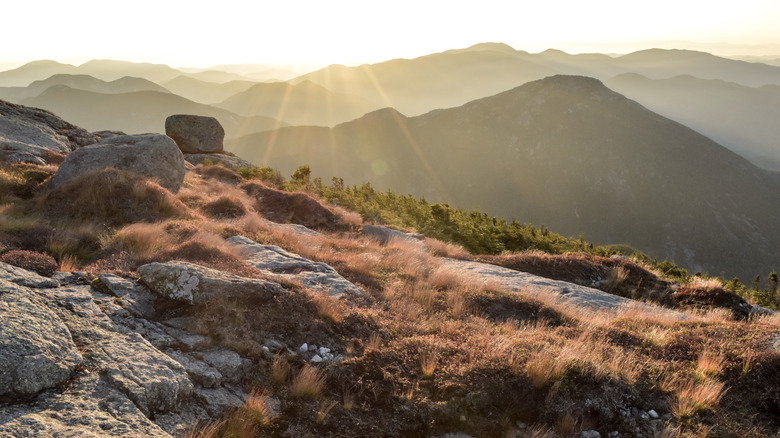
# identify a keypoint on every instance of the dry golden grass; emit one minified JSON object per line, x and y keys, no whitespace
{"x":208,"y":430}
{"x":280,"y":370}
{"x":68,"y":263}
{"x":260,"y":409}
{"x":328,"y":307}
{"x":347,"y":217}
{"x":542,"y":367}
{"x":566,"y":424}
{"x":374,"y":342}
{"x":308,"y":383}
{"x":442,"y":249}
{"x":692,"y":397}
{"x":429,"y":360}
{"x":144,"y":239}
{"x":616,"y":277}
{"x":325,"y":407}
{"x":705,"y":283}
{"x":347,"y":399}
{"x":709,"y":364}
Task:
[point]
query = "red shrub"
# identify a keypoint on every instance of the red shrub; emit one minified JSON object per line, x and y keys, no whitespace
{"x":43,"y":264}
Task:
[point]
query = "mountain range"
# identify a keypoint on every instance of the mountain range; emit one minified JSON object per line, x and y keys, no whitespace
{"x":452,"y":78}
{"x":742,"y":118}
{"x":521,"y":135}
{"x":566,"y":152}
{"x":137,"y":112}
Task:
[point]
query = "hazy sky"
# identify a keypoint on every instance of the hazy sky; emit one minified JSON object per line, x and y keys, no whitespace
{"x":203,"y":33}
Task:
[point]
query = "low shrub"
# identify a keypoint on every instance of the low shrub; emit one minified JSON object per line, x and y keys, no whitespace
{"x":225,"y":207}
{"x":112,"y":197}
{"x":42,"y":264}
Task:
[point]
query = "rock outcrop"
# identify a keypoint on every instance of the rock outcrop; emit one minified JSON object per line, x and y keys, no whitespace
{"x":384,"y":235}
{"x":193,"y":284}
{"x":224,"y":159}
{"x":153,"y":156}
{"x":195,"y":134}
{"x":28,"y":134}
{"x":274,"y":260}
{"x":78,"y":360}
{"x":36,"y":348}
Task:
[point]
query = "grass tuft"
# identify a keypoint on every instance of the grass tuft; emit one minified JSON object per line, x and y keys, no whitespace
{"x":308,"y":383}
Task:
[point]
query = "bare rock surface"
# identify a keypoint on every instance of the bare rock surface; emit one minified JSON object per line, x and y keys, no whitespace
{"x":89,"y":407}
{"x":27,"y":132}
{"x":36,"y":348}
{"x":154,"y":156}
{"x":127,"y":361}
{"x":225,"y":159}
{"x":584,"y":299}
{"x":195,"y":134}
{"x":274,"y":260}
{"x":23,"y":277}
{"x":194,"y":284}
{"x":384,"y":234}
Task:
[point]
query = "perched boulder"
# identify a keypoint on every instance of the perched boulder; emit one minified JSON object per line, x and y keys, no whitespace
{"x":27,"y":134}
{"x":195,"y":134}
{"x":195,"y":284}
{"x":153,"y":156}
{"x":36,"y":348}
{"x":274,"y":260}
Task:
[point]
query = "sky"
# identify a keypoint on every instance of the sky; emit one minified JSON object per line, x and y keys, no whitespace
{"x":197,"y":33}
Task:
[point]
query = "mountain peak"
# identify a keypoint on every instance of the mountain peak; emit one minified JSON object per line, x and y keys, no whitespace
{"x":497,"y":47}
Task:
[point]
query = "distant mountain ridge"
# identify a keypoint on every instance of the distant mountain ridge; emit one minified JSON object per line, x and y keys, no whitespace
{"x":124,"y":84}
{"x":302,"y":103}
{"x":137,"y":112}
{"x":565,"y":152}
{"x":744,"y":119}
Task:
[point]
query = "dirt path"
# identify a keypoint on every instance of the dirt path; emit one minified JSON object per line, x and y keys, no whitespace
{"x":581,"y":297}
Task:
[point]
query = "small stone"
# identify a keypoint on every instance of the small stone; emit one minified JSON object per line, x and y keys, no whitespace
{"x":316,"y":358}
{"x":323,"y":351}
{"x":304,"y":348}
{"x":590,"y":434}
{"x":312,"y":347}
{"x":653,"y":414}
{"x":644,"y":415}
{"x":274,"y":345}
{"x":266,"y":349}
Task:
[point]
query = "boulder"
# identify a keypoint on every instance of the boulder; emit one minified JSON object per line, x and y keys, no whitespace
{"x":36,"y":348}
{"x":153,"y":156}
{"x":195,"y":284}
{"x":195,"y":134}
{"x":27,"y":133}
{"x":274,"y":260}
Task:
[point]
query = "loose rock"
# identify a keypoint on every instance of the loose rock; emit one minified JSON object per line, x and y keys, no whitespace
{"x":195,"y":134}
